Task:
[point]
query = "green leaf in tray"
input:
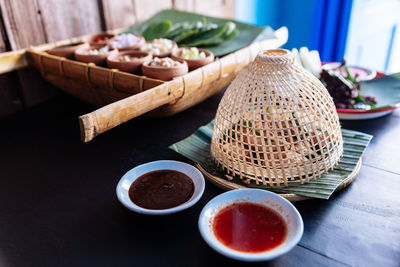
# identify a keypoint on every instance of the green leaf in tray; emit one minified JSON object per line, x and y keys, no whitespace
{"x":190,"y":31}
{"x":157,"y":30}
{"x":176,"y":29}
{"x":208,"y":38}
{"x":246,"y":33}
{"x":197,"y":148}
{"x":186,"y":30}
{"x":213,"y":37}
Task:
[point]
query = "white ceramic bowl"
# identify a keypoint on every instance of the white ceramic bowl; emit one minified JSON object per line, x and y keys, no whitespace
{"x":129,"y":177}
{"x":282,"y":206}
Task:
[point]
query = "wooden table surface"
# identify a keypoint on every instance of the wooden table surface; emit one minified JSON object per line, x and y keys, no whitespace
{"x":58,"y":205}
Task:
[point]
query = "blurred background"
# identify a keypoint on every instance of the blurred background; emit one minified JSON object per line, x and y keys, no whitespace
{"x":365,"y":32}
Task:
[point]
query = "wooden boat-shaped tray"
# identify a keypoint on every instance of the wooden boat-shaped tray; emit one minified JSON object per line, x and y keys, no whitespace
{"x":123,"y":96}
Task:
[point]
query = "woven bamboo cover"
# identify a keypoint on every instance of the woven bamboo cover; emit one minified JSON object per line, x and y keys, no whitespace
{"x":276,"y":123}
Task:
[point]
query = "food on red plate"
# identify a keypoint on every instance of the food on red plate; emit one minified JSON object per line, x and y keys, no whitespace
{"x":345,"y":90}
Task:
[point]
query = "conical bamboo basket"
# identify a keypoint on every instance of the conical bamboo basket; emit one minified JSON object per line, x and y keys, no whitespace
{"x":276,"y":123}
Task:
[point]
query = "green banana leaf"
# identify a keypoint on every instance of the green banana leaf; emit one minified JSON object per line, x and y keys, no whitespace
{"x":386,"y":89}
{"x":197,"y":148}
{"x":154,"y":30}
{"x":210,"y":37}
{"x":247,"y":33}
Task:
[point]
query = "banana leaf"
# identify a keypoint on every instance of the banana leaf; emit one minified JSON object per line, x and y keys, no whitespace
{"x":247,"y":33}
{"x":197,"y":148}
{"x":154,"y":30}
{"x":386,"y":89}
{"x":213,"y":37}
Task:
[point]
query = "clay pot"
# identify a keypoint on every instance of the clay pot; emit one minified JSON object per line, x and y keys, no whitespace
{"x":169,"y":53}
{"x":163,"y":73}
{"x":96,"y":59}
{"x":91,"y":39}
{"x":132,"y":66}
{"x":141,"y":42}
{"x":194,"y":63}
{"x":66,"y":51}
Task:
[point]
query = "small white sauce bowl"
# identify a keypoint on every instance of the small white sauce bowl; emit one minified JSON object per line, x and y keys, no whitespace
{"x":129,"y":177}
{"x":271,"y":200}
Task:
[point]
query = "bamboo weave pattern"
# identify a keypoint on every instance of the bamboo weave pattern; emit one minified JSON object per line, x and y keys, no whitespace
{"x":276,"y":122}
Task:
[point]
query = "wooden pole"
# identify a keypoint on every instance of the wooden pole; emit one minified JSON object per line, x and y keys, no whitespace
{"x":13,"y":60}
{"x":107,"y":117}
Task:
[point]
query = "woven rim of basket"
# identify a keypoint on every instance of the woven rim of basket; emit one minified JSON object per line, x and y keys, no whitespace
{"x":277,"y":56}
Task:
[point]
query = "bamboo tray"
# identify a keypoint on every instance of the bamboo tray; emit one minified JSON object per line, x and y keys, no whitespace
{"x":123,"y":96}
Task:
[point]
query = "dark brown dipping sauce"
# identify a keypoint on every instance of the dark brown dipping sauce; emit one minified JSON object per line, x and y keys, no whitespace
{"x":162,"y":189}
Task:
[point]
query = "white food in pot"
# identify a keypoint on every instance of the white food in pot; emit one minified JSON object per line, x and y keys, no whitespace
{"x":127,"y":58}
{"x":192,"y":53}
{"x":158,"y":46}
{"x":165,"y":62}
{"x":100,"y":51}
{"x":124,"y":40}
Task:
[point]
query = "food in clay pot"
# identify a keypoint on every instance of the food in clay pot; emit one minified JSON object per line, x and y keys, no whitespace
{"x":159,"y":47}
{"x":126,"y":41}
{"x":129,"y":61}
{"x":99,"y":39}
{"x":194,"y":57}
{"x":66,"y":51}
{"x":96,"y":54}
{"x":164,"y":68}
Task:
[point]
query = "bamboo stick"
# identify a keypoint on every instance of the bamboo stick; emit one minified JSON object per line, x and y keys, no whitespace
{"x":107,"y":117}
{"x":13,"y":60}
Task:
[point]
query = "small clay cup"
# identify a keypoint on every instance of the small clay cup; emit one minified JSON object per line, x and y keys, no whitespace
{"x":169,"y":53}
{"x":96,"y":59}
{"x":133,"y":66}
{"x":141,"y":42}
{"x":66,"y":51}
{"x":163,"y":73}
{"x":103,"y":35}
{"x":194,"y":63}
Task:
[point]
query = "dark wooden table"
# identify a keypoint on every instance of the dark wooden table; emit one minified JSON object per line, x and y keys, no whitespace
{"x":58,"y":205}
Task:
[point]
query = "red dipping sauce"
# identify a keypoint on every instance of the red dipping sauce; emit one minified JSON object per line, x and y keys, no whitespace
{"x":249,"y":227}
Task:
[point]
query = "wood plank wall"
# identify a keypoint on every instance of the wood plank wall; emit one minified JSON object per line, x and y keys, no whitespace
{"x":31,"y":22}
